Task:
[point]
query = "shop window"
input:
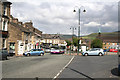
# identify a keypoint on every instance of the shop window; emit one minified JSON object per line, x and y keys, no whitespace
{"x":105,"y":43}
{"x":117,"y":43}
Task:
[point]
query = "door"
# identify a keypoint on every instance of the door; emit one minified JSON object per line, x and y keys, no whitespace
{"x":92,"y":52}
{"x":37,"y":51}
{"x":33,"y":52}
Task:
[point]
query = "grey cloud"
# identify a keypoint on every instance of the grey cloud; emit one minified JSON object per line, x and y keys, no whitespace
{"x":45,"y":19}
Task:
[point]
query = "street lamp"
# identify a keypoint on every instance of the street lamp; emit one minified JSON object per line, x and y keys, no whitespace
{"x":73,"y":29}
{"x":79,"y":9}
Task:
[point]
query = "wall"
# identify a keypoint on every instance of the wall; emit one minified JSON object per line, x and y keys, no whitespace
{"x":0,"y":25}
{"x":14,"y":35}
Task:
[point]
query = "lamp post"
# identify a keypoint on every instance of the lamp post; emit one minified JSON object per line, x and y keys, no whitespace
{"x":79,"y":9}
{"x":73,"y":29}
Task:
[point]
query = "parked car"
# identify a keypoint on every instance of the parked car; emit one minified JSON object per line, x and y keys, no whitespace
{"x":47,"y":50}
{"x":113,"y":50}
{"x":106,"y":50}
{"x":3,"y":54}
{"x":119,"y":69}
{"x":11,"y":52}
{"x":94,"y":51}
{"x":57,"y":51}
{"x":119,"y":64}
{"x":32,"y":52}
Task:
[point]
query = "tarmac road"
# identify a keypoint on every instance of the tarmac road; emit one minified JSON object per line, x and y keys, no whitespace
{"x":46,"y":66}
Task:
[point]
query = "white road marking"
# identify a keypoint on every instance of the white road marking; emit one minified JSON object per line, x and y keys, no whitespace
{"x":63,"y":68}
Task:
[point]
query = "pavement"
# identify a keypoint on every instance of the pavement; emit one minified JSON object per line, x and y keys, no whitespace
{"x":106,"y":53}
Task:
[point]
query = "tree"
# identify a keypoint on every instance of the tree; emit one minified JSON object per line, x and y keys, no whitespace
{"x":68,"y":42}
{"x":96,"y":43}
{"x":75,"y":41}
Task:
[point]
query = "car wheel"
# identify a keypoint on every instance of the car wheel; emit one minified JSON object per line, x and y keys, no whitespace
{"x":6,"y":58}
{"x":41,"y":54}
{"x":86,"y":54}
{"x":28,"y":54}
{"x":100,"y":54}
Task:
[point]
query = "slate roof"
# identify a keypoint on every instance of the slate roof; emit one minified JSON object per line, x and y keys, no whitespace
{"x":51,"y":36}
{"x":5,"y":1}
{"x":20,"y":27}
{"x":112,"y":39}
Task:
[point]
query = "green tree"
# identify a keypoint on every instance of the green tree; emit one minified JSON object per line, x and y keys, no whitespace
{"x":68,"y":42}
{"x":75,"y":41}
{"x":96,"y":43}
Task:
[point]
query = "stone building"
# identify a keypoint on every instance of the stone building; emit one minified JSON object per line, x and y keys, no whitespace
{"x":110,"y":42}
{"x":23,"y":37}
{"x":14,"y":35}
{"x":18,"y":37}
{"x":4,"y":22}
{"x":53,"y":39}
{"x":36,"y":35}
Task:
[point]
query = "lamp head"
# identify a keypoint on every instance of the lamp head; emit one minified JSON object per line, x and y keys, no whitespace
{"x":74,"y":10}
{"x":84,"y":10}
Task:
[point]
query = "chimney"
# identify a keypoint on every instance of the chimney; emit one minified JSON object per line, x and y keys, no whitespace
{"x":15,"y":20}
{"x":20,"y":23}
{"x":29,"y":23}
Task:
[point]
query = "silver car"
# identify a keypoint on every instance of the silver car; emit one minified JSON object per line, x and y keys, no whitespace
{"x":47,"y":50}
{"x":94,"y":51}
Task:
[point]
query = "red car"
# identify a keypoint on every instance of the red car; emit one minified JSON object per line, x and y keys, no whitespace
{"x":113,"y":50}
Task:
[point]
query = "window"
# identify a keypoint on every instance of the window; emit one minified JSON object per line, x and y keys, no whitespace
{"x":12,"y":46}
{"x":4,"y":43}
{"x":34,"y":49}
{"x":92,"y":50}
{"x":4,"y":25}
{"x":117,"y":43}
{"x":113,"y":43}
{"x":25,"y":47}
{"x":105,"y":43}
{"x":5,"y":10}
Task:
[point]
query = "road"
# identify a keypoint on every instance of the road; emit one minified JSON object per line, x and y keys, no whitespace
{"x":92,"y":67}
{"x":46,"y":66}
{"x":61,"y":66}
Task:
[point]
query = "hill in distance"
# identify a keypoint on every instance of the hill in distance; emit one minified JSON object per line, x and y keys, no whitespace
{"x":93,"y":35}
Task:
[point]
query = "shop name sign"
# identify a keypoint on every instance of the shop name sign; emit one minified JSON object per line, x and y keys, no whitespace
{"x":4,"y":32}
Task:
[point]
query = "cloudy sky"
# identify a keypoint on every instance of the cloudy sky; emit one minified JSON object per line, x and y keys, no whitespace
{"x":57,"y":16}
